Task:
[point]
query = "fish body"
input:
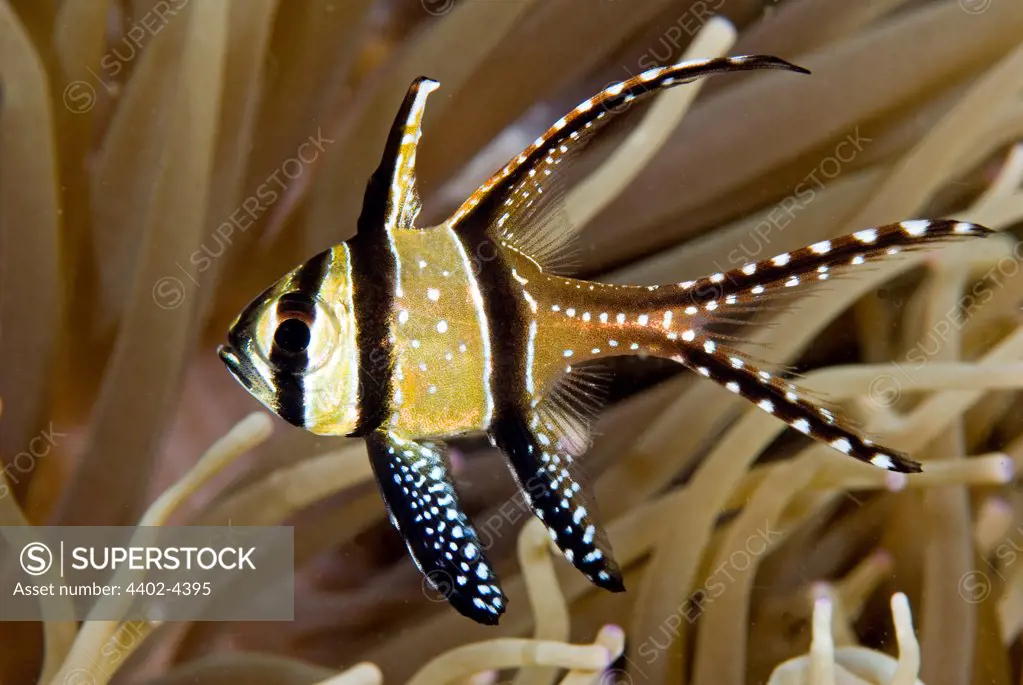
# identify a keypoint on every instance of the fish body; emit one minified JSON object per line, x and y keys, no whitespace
{"x":407,"y":336}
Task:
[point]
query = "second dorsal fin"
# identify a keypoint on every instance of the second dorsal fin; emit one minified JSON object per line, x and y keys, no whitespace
{"x":522,"y":204}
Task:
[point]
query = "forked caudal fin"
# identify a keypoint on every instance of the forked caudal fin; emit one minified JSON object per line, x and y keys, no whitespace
{"x":784,"y":400}
{"x":673,"y":321}
{"x":820,"y":261}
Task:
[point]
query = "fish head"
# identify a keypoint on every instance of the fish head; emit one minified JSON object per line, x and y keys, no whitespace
{"x":294,"y":346}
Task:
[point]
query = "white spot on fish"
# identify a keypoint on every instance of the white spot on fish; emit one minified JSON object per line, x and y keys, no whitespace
{"x":882,"y":460}
{"x":842,"y":445}
{"x":867,"y":236}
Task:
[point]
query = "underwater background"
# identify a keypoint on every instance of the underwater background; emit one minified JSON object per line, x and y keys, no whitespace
{"x":163,"y":161}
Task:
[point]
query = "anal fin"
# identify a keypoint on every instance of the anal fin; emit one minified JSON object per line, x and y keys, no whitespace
{"x":541,"y":445}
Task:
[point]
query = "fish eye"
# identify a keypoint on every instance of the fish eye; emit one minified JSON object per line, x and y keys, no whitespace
{"x":298,"y":333}
{"x":292,"y":336}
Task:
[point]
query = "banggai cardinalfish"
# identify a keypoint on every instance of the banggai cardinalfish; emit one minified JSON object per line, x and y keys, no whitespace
{"x":408,"y":335}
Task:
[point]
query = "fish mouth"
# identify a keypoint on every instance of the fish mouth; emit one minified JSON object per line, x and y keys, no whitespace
{"x":229,"y":357}
{"x":234,"y":364}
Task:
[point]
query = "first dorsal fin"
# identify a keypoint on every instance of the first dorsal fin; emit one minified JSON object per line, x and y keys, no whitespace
{"x":392,"y":199}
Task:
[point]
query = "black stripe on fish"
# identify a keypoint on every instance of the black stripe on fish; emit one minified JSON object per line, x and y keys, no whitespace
{"x":507,"y":321}
{"x":540,"y":466}
{"x":375,"y":269}
{"x":374,"y":277}
{"x":288,"y":366}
